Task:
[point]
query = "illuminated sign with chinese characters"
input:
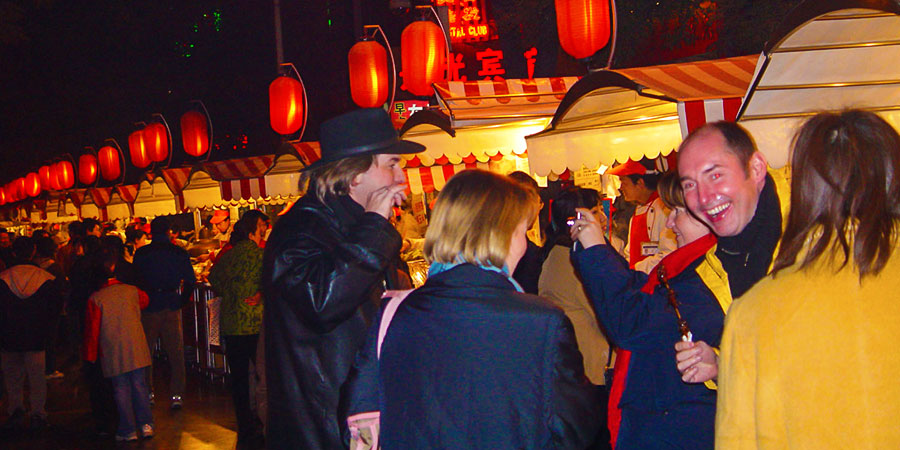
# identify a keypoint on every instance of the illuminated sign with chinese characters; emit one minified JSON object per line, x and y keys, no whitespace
{"x":468,"y":20}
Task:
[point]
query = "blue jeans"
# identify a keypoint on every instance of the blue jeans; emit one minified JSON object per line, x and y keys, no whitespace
{"x":132,"y":400}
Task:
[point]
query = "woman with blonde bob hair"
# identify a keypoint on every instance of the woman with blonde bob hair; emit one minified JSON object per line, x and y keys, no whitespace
{"x":468,"y":360}
{"x":809,"y":355}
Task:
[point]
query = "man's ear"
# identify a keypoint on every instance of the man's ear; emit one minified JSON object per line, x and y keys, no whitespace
{"x":758,"y":167}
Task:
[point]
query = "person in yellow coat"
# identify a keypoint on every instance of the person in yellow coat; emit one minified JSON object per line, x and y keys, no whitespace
{"x":809,"y":355}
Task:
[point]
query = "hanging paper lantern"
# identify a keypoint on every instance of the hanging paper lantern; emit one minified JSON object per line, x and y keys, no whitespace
{"x":194,"y":133}
{"x":583,"y":26}
{"x":20,"y":188}
{"x":156,"y":140}
{"x":54,"y":179}
{"x":32,"y":184}
{"x":44,"y":174}
{"x":110,"y":163}
{"x":286,"y":105}
{"x":137,"y":146}
{"x":87,"y":169}
{"x":423,"y":56}
{"x":65,"y":174}
{"x":367,"y":62}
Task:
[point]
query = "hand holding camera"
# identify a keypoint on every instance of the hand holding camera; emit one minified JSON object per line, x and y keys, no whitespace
{"x":586,"y":228}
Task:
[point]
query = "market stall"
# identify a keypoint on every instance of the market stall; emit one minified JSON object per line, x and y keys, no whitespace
{"x":613,"y":115}
{"x":479,"y":124}
{"x":825,"y":56}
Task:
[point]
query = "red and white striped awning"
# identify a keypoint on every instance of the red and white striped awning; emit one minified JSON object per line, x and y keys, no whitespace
{"x":484,"y":101}
{"x":243,"y":188}
{"x":232,"y":169}
{"x":428,"y":179}
{"x":701,"y":80}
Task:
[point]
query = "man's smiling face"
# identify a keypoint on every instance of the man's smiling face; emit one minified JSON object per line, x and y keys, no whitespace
{"x":717,"y":188}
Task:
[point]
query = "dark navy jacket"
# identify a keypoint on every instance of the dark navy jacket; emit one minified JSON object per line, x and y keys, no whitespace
{"x":162,"y":268}
{"x":647,"y":326}
{"x":468,"y":362}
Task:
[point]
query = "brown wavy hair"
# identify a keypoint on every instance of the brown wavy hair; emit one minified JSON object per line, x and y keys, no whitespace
{"x":844,"y":192}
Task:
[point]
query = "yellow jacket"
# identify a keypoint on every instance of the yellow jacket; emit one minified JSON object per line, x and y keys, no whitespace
{"x":811,"y":359}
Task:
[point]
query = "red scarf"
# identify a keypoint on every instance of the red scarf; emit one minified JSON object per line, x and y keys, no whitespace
{"x":674,"y":263}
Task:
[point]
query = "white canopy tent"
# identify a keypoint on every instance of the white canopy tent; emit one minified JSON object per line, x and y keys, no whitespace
{"x":826,"y":56}
{"x":614,"y":115}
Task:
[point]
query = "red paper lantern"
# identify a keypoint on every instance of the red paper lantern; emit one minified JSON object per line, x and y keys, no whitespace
{"x":65,"y":174}
{"x":44,"y":174}
{"x":32,"y":184}
{"x":20,"y":188}
{"x":110,"y":163}
{"x":194,"y":133}
{"x":156,"y":139}
{"x":367,"y":62}
{"x":87,"y":169}
{"x":137,"y":146}
{"x":3,"y":198}
{"x":583,"y":26}
{"x":423,"y":56}
{"x":286,"y":105}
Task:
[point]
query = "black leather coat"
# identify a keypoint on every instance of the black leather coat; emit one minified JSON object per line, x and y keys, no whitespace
{"x":324,"y":271}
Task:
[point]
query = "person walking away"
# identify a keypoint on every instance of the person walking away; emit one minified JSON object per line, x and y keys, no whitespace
{"x":325,"y":266}
{"x":470,"y":360}
{"x":166,"y":275}
{"x":809,"y":354}
{"x":560,"y":284}
{"x":114,"y":335}
{"x":29,"y":301}
{"x":236,"y":278}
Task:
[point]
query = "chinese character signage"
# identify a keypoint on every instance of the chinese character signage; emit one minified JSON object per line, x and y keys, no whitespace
{"x":468,"y":20}
{"x":401,"y":110}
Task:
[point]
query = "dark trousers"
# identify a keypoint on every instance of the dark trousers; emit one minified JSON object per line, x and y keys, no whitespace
{"x":132,"y":401}
{"x":103,"y":404}
{"x":689,"y":426}
{"x":601,"y":442}
{"x":240,"y":350}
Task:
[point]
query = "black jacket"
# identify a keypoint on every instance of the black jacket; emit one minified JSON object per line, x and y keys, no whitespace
{"x":468,"y":362}
{"x":324,"y":270}
{"x":162,"y":268}
{"x":30,"y":300}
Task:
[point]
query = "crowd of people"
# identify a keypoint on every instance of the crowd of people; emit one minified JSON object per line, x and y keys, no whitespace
{"x":737,"y":312}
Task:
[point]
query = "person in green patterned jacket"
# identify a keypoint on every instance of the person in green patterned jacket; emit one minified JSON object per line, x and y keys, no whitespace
{"x":236,"y":278}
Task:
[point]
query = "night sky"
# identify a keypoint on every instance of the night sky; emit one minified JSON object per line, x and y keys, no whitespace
{"x":74,"y":73}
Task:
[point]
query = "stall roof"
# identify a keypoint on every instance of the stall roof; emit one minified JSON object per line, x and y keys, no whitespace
{"x":826,"y":56}
{"x":614,"y":115}
{"x":490,"y":102}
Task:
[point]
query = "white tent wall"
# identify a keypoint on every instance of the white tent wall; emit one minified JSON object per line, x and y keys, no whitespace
{"x":836,"y":60}
{"x":154,"y":199}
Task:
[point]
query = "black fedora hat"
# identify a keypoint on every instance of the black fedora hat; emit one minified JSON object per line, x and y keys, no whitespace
{"x":366,"y":131}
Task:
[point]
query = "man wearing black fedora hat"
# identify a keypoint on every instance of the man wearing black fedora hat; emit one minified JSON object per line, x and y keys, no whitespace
{"x":326,"y":264}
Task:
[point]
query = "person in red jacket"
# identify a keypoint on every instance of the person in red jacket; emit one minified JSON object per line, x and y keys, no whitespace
{"x":114,"y":335}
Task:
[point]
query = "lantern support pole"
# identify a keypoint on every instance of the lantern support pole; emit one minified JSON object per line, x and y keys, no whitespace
{"x":378,"y":29}
{"x":614,"y":25}
{"x":284,"y":67}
